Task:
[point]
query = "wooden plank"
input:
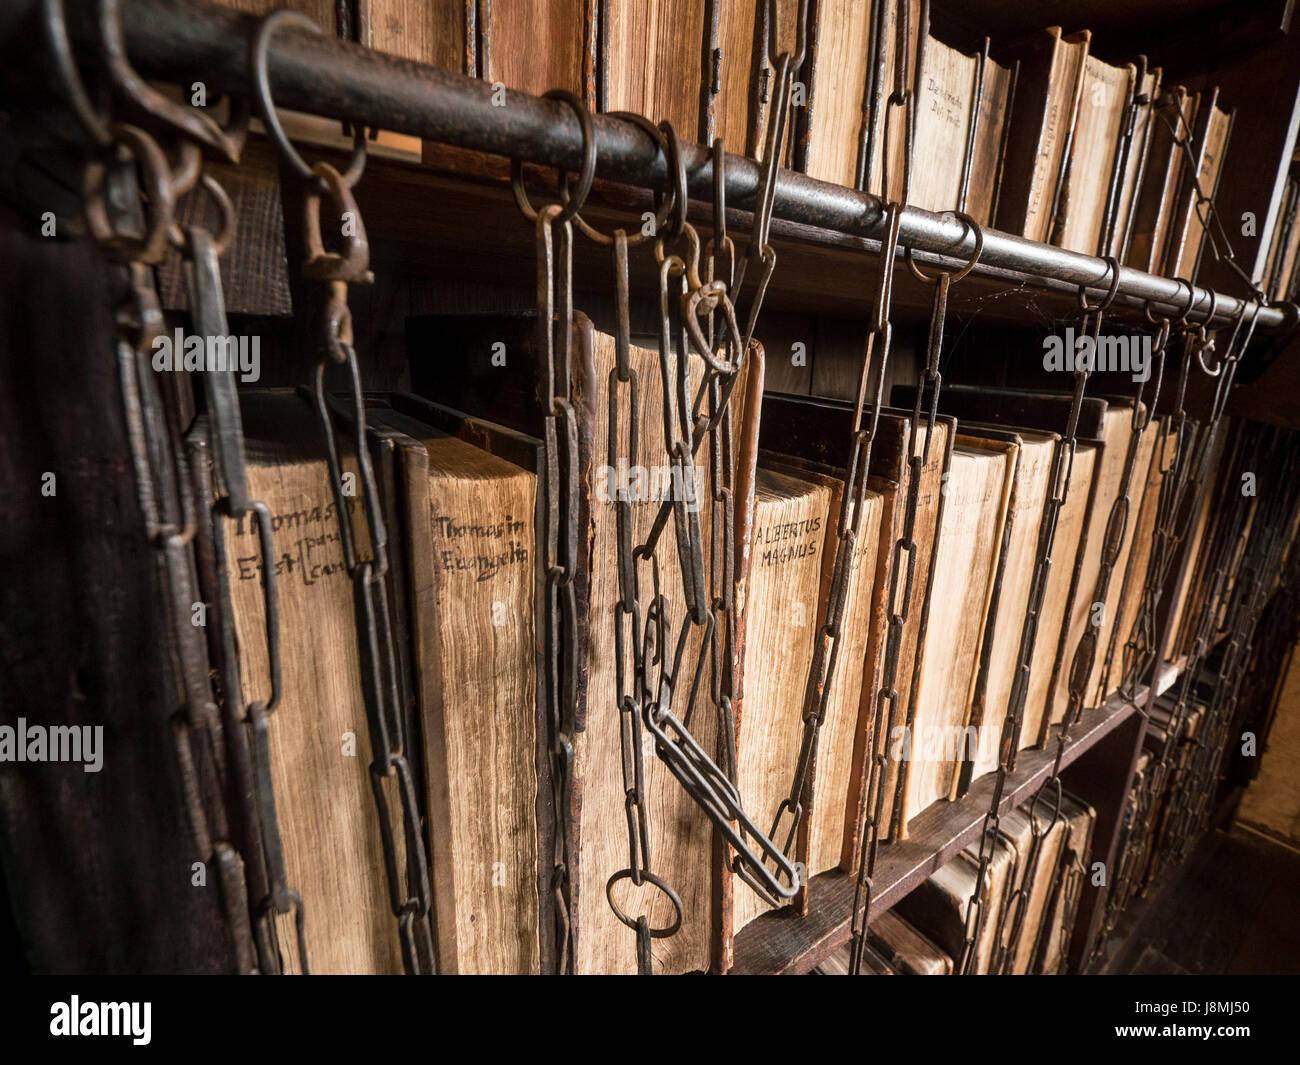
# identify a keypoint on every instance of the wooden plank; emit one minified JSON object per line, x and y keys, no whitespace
{"x":782,"y":942}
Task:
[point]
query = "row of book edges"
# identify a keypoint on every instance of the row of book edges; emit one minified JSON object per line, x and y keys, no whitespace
{"x":1042,"y":138}
{"x":459,"y":463}
{"x":924,"y":934}
{"x":1149,"y":806}
{"x":1282,"y":272}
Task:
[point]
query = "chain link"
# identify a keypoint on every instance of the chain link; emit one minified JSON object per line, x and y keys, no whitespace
{"x":1204,"y":204}
{"x":1061,"y":472}
{"x":131,"y":191}
{"x":902,"y":573}
{"x":1176,"y":509}
{"x":1085,"y":651}
{"x":410,"y":889}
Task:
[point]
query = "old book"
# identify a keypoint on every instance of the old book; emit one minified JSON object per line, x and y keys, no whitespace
{"x":1224,"y":493}
{"x":934,"y":742}
{"x":1048,"y":91}
{"x":957,"y":147}
{"x":1209,"y":145}
{"x":1071,"y":869}
{"x":681,"y":835}
{"x":1111,"y":613}
{"x":1000,"y":647}
{"x":744,"y":78}
{"x":899,"y":24}
{"x":822,"y":430}
{"x":1278,"y":237}
{"x":1062,"y":579}
{"x":906,"y":950}
{"x":746,"y":441}
{"x":1163,"y":806}
{"x":833,"y":809}
{"x":1154,"y":209}
{"x":318,"y":734}
{"x":791,"y":515}
{"x":1042,"y":411}
{"x":471,"y":549}
{"x":438,"y":33}
{"x":1095,"y":154}
{"x":997,"y":103}
{"x":1147,"y":89}
{"x":656,"y":59}
{"x":1282,"y":270}
{"x":541,"y":45}
{"x":1143,"y":521}
{"x":1085,"y":611}
{"x":873,"y":963}
{"x":428,"y":32}
{"x":944,"y":113}
{"x":1199,"y":510}
{"x":829,"y":130}
{"x":937,"y":907}
{"x":1020,"y":930}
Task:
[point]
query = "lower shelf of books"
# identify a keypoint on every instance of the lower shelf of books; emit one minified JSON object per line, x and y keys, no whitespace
{"x":781,"y":941}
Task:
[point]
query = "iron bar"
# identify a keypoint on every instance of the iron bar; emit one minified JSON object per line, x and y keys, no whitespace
{"x":185,"y":41}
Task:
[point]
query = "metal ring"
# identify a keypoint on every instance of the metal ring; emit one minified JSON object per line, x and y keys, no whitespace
{"x":225,"y":208}
{"x":585,"y":177}
{"x":352,"y":262}
{"x":978,"y":229}
{"x":188,"y":121}
{"x":677,"y":177}
{"x":662,"y":885}
{"x":1191,"y":298}
{"x":1214,"y":308}
{"x":1229,"y":355}
{"x":151,"y":245}
{"x":266,"y":109}
{"x":1112,"y":265}
{"x":661,"y":208}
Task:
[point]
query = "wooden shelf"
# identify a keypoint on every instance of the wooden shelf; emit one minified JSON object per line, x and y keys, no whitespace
{"x":782,"y":942}
{"x":1171,"y":672}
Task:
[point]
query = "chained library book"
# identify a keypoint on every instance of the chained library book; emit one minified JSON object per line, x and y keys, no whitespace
{"x":471,"y":546}
{"x":933,"y":744}
{"x":318,"y":732}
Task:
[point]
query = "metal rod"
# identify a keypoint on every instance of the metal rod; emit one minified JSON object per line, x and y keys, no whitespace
{"x":186,"y":41}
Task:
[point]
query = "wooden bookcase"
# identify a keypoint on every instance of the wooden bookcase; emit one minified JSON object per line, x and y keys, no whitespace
{"x":446,"y":235}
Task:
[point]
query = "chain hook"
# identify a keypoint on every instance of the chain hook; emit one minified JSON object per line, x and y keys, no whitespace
{"x":774,"y":36}
{"x":187,"y":121}
{"x":1112,"y":270}
{"x":676,"y":165}
{"x":571,"y":203}
{"x":259,"y":49}
{"x":1204,"y":343}
{"x":953,"y":276}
